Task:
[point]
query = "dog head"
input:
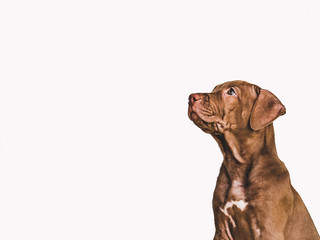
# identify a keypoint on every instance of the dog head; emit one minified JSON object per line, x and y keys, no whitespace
{"x":232,"y":106}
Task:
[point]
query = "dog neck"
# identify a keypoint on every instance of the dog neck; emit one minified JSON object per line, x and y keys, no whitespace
{"x":241,"y":148}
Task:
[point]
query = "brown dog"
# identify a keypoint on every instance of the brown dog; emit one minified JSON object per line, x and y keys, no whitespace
{"x":253,"y":198}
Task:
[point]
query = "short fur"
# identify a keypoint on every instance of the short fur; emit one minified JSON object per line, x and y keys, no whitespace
{"x":251,"y":171}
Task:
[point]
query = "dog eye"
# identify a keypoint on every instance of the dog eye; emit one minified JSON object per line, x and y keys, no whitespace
{"x":231,"y":92}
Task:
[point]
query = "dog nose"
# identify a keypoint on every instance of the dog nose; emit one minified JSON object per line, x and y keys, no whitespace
{"x":194,"y":97}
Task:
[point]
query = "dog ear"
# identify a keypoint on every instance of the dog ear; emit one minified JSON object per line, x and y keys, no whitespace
{"x":266,"y":109}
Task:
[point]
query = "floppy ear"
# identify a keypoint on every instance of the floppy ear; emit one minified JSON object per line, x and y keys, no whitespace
{"x":266,"y":109}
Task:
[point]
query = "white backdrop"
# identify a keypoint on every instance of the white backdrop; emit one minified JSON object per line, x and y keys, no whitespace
{"x":95,"y":142}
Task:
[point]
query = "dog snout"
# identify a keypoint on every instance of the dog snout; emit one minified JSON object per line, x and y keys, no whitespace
{"x":194,"y":97}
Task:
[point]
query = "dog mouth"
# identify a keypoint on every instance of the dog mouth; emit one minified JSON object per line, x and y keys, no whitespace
{"x":209,"y":127}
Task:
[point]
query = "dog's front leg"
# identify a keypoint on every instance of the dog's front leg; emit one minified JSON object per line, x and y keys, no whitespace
{"x":222,"y":228}
{"x":267,"y":228}
{"x":271,"y":208}
{"x":220,"y":193}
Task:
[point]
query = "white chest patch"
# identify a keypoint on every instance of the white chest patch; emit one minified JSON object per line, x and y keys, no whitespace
{"x":241,"y":204}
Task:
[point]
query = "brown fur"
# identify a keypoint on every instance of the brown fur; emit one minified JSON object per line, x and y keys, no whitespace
{"x":251,"y":171}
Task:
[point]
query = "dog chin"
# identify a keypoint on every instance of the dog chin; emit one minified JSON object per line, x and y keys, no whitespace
{"x":195,"y":118}
{"x":208,"y":127}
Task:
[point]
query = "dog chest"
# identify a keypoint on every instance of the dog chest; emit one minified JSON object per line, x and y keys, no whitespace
{"x":236,"y":219}
{"x":236,"y":213}
{"x":228,"y":209}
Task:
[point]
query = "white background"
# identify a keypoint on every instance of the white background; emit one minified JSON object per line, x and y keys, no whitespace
{"x":95,"y":142}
